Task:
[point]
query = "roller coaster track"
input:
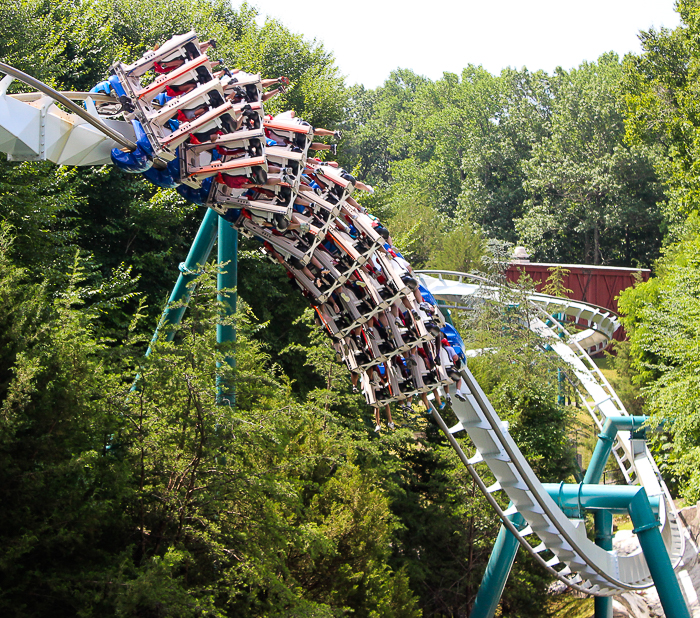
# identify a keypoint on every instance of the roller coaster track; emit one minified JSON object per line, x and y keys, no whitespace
{"x":576,"y":560}
{"x":34,"y":127}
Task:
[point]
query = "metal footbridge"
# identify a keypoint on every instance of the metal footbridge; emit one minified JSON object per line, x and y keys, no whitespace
{"x":548,"y":521}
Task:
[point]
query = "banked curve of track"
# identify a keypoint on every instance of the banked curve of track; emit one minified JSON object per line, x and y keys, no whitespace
{"x":586,"y":566}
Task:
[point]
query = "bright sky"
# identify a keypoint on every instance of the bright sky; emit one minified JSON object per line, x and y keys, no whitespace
{"x":370,"y":38}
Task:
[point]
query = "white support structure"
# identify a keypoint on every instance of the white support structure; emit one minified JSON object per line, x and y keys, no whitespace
{"x":34,"y":128}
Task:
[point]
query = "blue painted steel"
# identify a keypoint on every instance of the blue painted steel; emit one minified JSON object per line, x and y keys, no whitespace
{"x":577,"y":497}
{"x":605,"y":443}
{"x":497,"y":571}
{"x":646,"y":527}
{"x":226,"y":283}
{"x":603,"y":522}
{"x":455,"y":340}
{"x":428,"y":296}
{"x":189,"y":270}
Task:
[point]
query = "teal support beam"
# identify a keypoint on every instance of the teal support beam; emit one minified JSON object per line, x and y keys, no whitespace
{"x":189,"y":270}
{"x":497,"y":571}
{"x":226,"y":284}
{"x":603,"y":522}
{"x":642,"y":510}
{"x":605,"y":442}
{"x":561,"y":381}
{"x":574,"y":499}
{"x":646,"y":527}
{"x":445,"y":310}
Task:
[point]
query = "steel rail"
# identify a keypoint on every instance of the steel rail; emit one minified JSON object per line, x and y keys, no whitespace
{"x":28,"y":97}
{"x":65,"y":101}
{"x":542,"y":502}
{"x":482,"y":279}
{"x":501,"y":513}
{"x":526,"y":478}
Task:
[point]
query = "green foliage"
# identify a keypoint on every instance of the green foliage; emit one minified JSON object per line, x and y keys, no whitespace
{"x":554,"y":285}
{"x":61,"y":520}
{"x":160,"y":502}
{"x":591,"y":198}
{"x":527,"y":157}
{"x":460,"y":249}
{"x":660,"y":89}
{"x":661,"y":317}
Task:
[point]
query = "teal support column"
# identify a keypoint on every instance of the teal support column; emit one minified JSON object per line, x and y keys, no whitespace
{"x":641,"y":509}
{"x":574,"y":499}
{"x":561,"y":382}
{"x":603,"y":521}
{"x":646,"y":527}
{"x":605,"y":442}
{"x":447,"y":314}
{"x":189,"y":270}
{"x":497,"y":571}
{"x":226,"y":284}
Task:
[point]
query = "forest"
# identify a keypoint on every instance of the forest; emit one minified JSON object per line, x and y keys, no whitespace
{"x":158,"y":502}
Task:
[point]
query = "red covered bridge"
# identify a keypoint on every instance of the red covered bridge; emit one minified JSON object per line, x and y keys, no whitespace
{"x":598,"y":285}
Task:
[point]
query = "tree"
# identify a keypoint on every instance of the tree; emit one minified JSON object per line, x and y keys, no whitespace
{"x":493,"y":193}
{"x":660,"y":88}
{"x":661,"y":317}
{"x":592,"y":199}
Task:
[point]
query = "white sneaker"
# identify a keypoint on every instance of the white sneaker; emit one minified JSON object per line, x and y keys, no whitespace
{"x":377,"y":428}
{"x":392,"y":426}
{"x":460,"y":396}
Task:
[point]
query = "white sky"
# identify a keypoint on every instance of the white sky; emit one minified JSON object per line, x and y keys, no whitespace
{"x":370,"y":38}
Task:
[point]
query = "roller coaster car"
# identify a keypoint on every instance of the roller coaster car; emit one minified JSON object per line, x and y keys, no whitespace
{"x":363,"y":224}
{"x":250,"y":140}
{"x":223,"y":197}
{"x":196,"y":166}
{"x":318,"y":230}
{"x":335,"y":321}
{"x":389,"y":355}
{"x":203,"y":128}
{"x":238,"y":169}
{"x":209,"y":95}
{"x":336,"y":181}
{"x":304,"y":282}
{"x":327,"y":320}
{"x":187,"y":77}
{"x":349,"y":302}
{"x":320,"y":207}
{"x":347,"y":245}
{"x":291,"y":130}
{"x":288,"y":139}
{"x":292,"y":162}
{"x":182,"y":47}
{"x":243,"y":88}
{"x":390,"y":272}
{"x":364,"y":317}
{"x":211,"y":126}
{"x":401,"y":345}
{"x":341,"y":279}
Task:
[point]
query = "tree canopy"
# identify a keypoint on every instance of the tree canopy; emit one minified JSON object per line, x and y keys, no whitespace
{"x":158,"y":502}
